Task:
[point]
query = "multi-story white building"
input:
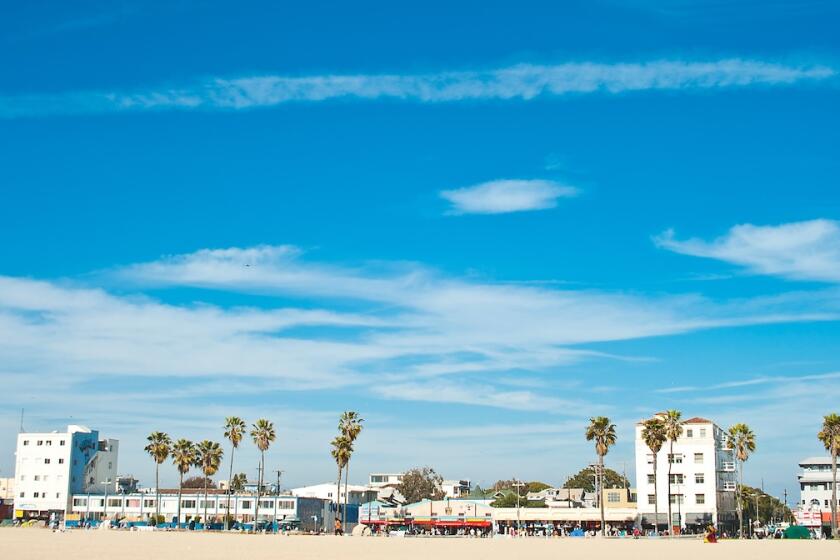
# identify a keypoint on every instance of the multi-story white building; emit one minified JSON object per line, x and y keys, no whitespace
{"x":702,"y":481}
{"x":456,"y":488}
{"x":52,"y":466}
{"x":357,"y":494}
{"x":450,"y":488}
{"x":300,"y":512}
{"x":381,"y":480}
{"x":815,"y":484}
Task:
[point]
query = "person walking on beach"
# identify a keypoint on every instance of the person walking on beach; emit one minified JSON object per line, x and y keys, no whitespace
{"x":338,"y":530}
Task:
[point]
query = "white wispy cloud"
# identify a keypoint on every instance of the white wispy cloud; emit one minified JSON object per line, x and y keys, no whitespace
{"x":522,"y":81}
{"x":807,"y":250}
{"x":507,"y":195}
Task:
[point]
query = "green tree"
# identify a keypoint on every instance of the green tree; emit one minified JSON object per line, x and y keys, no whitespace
{"x":585,"y":479}
{"x":830,"y":438}
{"x":235,"y":428}
{"x":263,"y":434}
{"x":341,"y":450}
{"x":183,"y":456}
{"x":208,"y":458}
{"x":673,"y":430}
{"x":763,"y":507}
{"x":533,"y":486}
{"x":654,"y":436}
{"x":509,"y":500}
{"x":421,"y":484}
{"x":159,"y":447}
{"x":741,"y":440}
{"x":350,"y":426}
{"x":237,"y":483}
{"x":601,"y":431}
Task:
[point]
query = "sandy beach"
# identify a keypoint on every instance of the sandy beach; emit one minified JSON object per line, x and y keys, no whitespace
{"x":37,"y":543}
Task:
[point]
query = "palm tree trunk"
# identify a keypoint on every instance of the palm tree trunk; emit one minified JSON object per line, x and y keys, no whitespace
{"x":157,"y":492}
{"x":738,"y":497}
{"x":229,"y":489}
{"x":338,"y":494}
{"x":655,"y":497}
{"x":180,"y":486}
{"x":259,"y":490}
{"x":601,"y":493}
{"x":670,"y":464}
{"x":205,"y":501}
{"x":834,"y":496}
{"x":346,"y":479}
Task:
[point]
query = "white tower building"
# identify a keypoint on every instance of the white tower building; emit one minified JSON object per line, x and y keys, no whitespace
{"x":702,"y":482}
{"x":52,"y":466}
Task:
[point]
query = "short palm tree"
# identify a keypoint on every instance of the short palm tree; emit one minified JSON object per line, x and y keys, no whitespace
{"x":350,"y":426}
{"x":159,"y":447}
{"x":654,"y":436}
{"x":234,"y":431}
{"x":602,"y":432}
{"x":741,"y":440}
{"x":341,"y":450}
{"x":673,"y":430}
{"x":263,"y":434}
{"x":238,"y":482}
{"x":208,"y":458}
{"x":183,"y":456}
{"x":830,"y":437}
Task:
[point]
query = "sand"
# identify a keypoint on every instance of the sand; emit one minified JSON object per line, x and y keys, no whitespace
{"x":92,"y":545}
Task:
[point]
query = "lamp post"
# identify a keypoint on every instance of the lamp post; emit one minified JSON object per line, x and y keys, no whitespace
{"x":106,"y":482}
{"x":518,"y":485}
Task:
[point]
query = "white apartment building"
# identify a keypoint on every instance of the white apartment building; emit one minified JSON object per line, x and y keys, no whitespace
{"x":456,"y":488}
{"x":381,"y":480}
{"x":358,"y":494}
{"x":815,"y":484}
{"x":52,"y":466}
{"x":702,"y":482}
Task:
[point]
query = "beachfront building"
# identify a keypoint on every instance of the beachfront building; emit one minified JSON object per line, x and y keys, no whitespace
{"x":52,"y":466}
{"x":383,"y":480}
{"x":456,"y":488}
{"x":308,"y":514}
{"x":815,"y":483}
{"x":7,"y":497}
{"x":702,"y":480}
{"x":356,"y":494}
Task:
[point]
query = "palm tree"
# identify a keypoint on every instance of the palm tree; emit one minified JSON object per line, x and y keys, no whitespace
{"x":262,"y":432}
{"x":350,"y":426}
{"x":159,"y":447}
{"x":208,"y":458}
{"x":602,"y":432}
{"x":234,"y":431}
{"x":654,"y":436}
{"x":238,"y":482}
{"x":183,"y":456}
{"x":342,"y":448}
{"x":673,"y":430}
{"x":830,"y":437}
{"x":741,"y":440}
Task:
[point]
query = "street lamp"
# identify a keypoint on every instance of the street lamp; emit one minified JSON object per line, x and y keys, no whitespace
{"x":106,"y":482}
{"x":518,"y":485}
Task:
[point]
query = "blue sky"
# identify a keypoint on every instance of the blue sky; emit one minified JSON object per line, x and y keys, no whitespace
{"x":477,"y":224}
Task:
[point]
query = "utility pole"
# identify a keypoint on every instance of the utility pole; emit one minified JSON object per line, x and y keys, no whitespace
{"x":277,"y":488}
{"x":518,"y":485}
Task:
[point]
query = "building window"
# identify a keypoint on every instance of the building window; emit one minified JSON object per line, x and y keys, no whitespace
{"x":40,"y":442}
{"x":23,"y":477}
{"x":49,"y":442}
{"x":246,"y":504}
{"x":689,"y":433}
{"x":77,"y":502}
{"x":286,"y":504}
{"x":699,"y":478}
{"x":26,"y":442}
{"x":675,"y":458}
{"x":148,"y":503}
{"x":651,"y":479}
{"x":675,"y":479}
{"x":728,"y":485}
{"x":37,"y":477}
{"x":613,"y":497}
{"x":651,"y":499}
{"x":35,"y":495}
{"x":61,"y":442}
{"x":699,"y":499}
{"x":677,"y":498}
{"x":22,"y":494}
{"x":188,"y":503}
{"x":650,"y":458}
{"x":698,"y":458}
{"x":114,"y":502}
{"x":46,"y":461}
{"x":61,"y":461}
{"x":702,"y":432}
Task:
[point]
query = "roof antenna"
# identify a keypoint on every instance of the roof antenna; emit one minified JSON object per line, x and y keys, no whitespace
{"x":21,"y":421}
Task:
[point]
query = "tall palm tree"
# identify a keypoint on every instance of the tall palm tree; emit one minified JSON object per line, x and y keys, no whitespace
{"x":159,"y":448}
{"x":208,"y":457}
{"x":673,"y":430}
{"x":341,"y":450}
{"x":235,"y":428}
{"x":602,"y":432}
{"x":654,"y":436}
{"x":741,"y":440}
{"x":830,"y":437}
{"x":262,"y":432}
{"x":183,"y":456}
{"x":350,"y":426}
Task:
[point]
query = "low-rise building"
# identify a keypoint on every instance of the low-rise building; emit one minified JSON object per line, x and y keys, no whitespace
{"x":456,"y":488}
{"x":356,"y":494}
{"x":381,"y":480}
